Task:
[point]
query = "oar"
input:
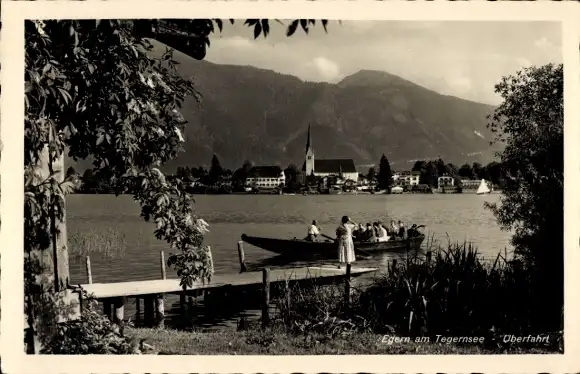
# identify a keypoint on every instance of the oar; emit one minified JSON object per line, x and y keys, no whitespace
{"x":328,"y":237}
{"x":356,"y":249}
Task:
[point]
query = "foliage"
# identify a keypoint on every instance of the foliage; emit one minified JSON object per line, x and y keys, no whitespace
{"x":385,"y":173}
{"x":92,"y":334}
{"x":531,"y":123}
{"x":215,"y":171}
{"x":455,"y":294}
{"x":371,"y":175}
{"x":92,"y":90}
{"x":292,"y":182}
{"x":316,"y":309}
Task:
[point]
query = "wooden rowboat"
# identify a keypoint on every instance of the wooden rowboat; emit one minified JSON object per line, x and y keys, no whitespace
{"x":328,"y":249}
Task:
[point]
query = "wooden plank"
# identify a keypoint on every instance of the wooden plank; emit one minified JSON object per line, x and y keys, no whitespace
{"x":153,"y":287}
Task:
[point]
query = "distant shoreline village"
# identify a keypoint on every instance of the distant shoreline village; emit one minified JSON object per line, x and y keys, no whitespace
{"x":327,"y":176}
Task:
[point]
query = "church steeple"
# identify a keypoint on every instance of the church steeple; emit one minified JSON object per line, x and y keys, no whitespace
{"x":309,"y":162}
{"x":308,"y":139}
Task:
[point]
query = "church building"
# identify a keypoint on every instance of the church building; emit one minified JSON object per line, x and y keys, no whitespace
{"x":341,"y":167}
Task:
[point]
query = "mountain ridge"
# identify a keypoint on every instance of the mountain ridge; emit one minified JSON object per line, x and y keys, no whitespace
{"x":250,"y":113}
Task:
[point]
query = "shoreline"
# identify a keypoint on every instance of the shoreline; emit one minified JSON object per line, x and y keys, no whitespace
{"x":272,"y":342}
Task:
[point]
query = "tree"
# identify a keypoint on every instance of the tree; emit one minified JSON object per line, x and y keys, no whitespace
{"x":494,"y":172}
{"x":419,"y":165}
{"x":385,"y":173}
{"x":429,"y":174}
{"x":184,"y":173}
{"x":530,"y":123}
{"x":70,"y":171}
{"x":291,"y":174}
{"x":93,"y":89}
{"x":452,"y":170}
{"x":371,"y":174}
{"x":477,"y":170}
{"x":465,"y":171}
{"x":215,"y":171}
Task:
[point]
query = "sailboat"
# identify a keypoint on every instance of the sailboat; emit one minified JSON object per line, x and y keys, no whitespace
{"x":483,"y":188}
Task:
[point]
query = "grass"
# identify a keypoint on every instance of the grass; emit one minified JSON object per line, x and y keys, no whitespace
{"x":282,"y":343}
{"x":109,"y":243}
{"x":456,"y":293}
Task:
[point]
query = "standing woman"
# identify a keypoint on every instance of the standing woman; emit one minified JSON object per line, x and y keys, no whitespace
{"x":345,"y":244}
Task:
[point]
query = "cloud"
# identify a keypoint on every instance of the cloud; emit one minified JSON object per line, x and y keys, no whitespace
{"x":324,"y":68}
{"x":238,"y":42}
{"x":464,"y":59}
{"x":523,"y":62}
{"x":542,"y":43}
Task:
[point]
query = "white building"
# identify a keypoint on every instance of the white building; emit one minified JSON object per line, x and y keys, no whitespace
{"x":266,"y":177}
{"x":445,"y":181}
{"x":406,"y":178}
{"x":344,"y":168}
{"x":470,"y":184}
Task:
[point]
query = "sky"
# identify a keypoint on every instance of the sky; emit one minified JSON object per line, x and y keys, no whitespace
{"x":459,"y":58}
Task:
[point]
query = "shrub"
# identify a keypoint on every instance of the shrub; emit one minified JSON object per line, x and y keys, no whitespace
{"x":109,"y":243}
{"x":315,"y":308}
{"x":93,"y":333}
{"x":455,"y":294}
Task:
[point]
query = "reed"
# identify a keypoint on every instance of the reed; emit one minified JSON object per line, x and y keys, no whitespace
{"x":106,"y":242}
{"x":457,"y":293}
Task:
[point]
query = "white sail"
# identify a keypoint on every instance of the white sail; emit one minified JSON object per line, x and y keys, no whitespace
{"x":483,"y":189}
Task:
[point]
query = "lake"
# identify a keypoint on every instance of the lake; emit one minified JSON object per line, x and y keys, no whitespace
{"x":461,"y":216}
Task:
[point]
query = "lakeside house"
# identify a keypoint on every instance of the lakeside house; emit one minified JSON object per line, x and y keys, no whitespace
{"x":266,"y":177}
{"x":406,"y":178}
{"x":345,"y":168}
{"x":445,"y":181}
{"x":470,"y":184}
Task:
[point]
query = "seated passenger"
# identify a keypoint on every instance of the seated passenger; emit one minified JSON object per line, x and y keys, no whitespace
{"x":313,"y":232}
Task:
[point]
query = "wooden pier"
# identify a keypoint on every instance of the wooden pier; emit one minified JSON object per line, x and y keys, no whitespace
{"x":114,"y":295}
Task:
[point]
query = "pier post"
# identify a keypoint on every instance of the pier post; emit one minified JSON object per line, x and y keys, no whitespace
{"x":137,"y":308}
{"x":119,"y":316}
{"x":159,"y":311}
{"x":242,"y":256}
{"x":211,"y":262}
{"x":265,"y":297}
{"x":148,"y":310}
{"x":428,"y":255}
{"x":394,"y":265}
{"x":182,"y":311}
{"x":89,"y":271}
{"x":107,"y":308}
{"x":347,"y":286}
{"x":163,"y":271}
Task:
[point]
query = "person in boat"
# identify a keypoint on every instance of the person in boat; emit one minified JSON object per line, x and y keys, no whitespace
{"x":413,"y":231}
{"x":356,"y":233}
{"x":368,"y":234}
{"x":382,"y":235}
{"x":394,"y":228}
{"x":345,"y":242}
{"x":313,"y":232}
{"x":401,"y":230}
{"x":360,"y":233}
